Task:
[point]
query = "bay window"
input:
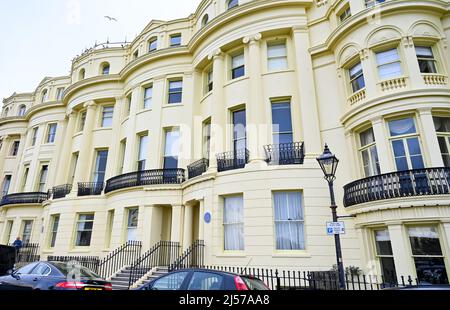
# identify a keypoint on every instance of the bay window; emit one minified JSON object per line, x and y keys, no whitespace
{"x":356,"y":76}
{"x":142,"y":154}
{"x":426,"y":59}
{"x":100,"y":166}
{"x":175,"y":91}
{"x":148,"y":97}
{"x":442,"y":126}
{"x":132,"y":224}
{"x":385,"y":255}
{"x":276,"y":56}
{"x":107,"y":116}
{"x":27,"y":226}
{"x":85,"y":224}
{"x":237,"y":65}
{"x":54,"y":231}
{"x":388,"y":63}
{"x":369,"y":154}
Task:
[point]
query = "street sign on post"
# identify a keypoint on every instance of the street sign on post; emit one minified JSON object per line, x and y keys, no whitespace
{"x":335,"y":228}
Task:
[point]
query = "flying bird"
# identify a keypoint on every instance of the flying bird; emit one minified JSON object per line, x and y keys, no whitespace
{"x":111,"y":18}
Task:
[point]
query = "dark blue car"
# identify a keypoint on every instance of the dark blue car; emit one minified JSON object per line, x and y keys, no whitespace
{"x":53,"y":276}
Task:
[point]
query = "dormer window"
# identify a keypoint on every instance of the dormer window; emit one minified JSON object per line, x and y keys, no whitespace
{"x":232,"y":3}
{"x":345,"y":14}
{"x":22,"y":110}
{"x":152,"y":45}
{"x":175,"y":40}
{"x":44,"y":95}
{"x":205,"y":20}
{"x":105,"y":68}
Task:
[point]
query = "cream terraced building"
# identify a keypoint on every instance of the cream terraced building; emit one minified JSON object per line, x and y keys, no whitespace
{"x":208,"y":128}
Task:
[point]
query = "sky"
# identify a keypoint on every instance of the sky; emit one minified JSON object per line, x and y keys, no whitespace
{"x":39,"y":38}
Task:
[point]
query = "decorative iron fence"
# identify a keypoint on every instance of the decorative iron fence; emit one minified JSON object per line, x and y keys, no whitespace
{"x":90,"y":188}
{"x":146,"y":177}
{"x":125,"y":255}
{"x":61,"y":191}
{"x":192,"y":257}
{"x":90,"y":262}
{"x":285,"y":153}
{"x":232,"y":160}
{"x":418,"y":182}
{"x":277,"y":279}
{"x":28,"y":253}
{"x":198,"y":168}
{"x":24,"y":198}
{"x":161,"y":254}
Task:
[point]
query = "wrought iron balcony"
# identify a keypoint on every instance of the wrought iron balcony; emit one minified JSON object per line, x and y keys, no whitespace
{"x":232,"y":160}
{"x":198,"y":168}
{"x":24,"y":198}
{"x":285,"y":153}
{"x":61,"y":191}
{"x":146,"y":177}
{"x":90,"y":188}
{"x":418,"y":182}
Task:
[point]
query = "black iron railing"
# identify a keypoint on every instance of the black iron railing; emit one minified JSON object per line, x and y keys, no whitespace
{"x":28,"y":253}
{"x":90,"y":188}
{"x":285,"y":153}
{"x":277,"y":279}
{"x":192,"y":257}
{"x":24,"y":198}
{"x":61,"y":191}
{"x":146,"y":177}
{"x":198,"y":168}
{"x":161,"y":254}
{"x":232,"y":160}
{"x":125,"y":255}
{"x":91,"y":262}
{"x":418,"y":182}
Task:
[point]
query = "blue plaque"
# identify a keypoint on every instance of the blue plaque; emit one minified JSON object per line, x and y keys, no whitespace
{"x":207,"y":217}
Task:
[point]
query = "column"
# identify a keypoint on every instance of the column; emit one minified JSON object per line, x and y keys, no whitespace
{"x":383,"y":147}
{"x":130,"y":157}
{"x":404,"y":265}
{"x":114,"y":147}
{"x":201,"y":221}
{"x":430,"y":140}
{"x":82,"y":173}
{"x":63,"y":168}
{"x":415,"y":78}
{"x":176,"y":233}
{"x":218,"y":118}
{"x":370,"y":74}
{"x":445,"y":240}
{"x":307,"y":95}
{"x":256,"y":137}
{"x":188,"y":227}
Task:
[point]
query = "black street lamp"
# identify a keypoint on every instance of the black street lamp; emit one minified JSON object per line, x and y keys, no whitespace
{"x":328,"y":162}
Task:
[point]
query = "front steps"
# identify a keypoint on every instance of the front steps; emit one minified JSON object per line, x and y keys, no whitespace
{"x":121,"y":279}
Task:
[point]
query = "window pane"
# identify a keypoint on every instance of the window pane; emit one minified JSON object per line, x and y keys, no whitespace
{"x":170,"y":282}
{"x":133,"y":216}
{"x":390,"y":70}
{"x":424,"y":51}
{"x":143,"y":146}
{"x":233,"y":220}
{"x":289,"y":227}
{"x":367,"y":137}
{"x":238,"y":60}
{"x":281,"y":117}
{"x":153,"y":45}
{"x":239,"y":124}
{"x":431,"y":270}
{"x":355,"y":70}
{"x":424,"y":241}
{"x":277,"y":50}
{"x":175,"y":40}
{"x":375,"y":162}
{"x":387,"y":56}
{"x":383,"y":242}
{"x":172,"y":143}
{"x":402,"y":127}
{"x":100,"y":166}
{"x":442,"y":124}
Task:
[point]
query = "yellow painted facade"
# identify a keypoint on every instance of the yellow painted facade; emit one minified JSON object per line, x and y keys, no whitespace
{"x":104,"y":106}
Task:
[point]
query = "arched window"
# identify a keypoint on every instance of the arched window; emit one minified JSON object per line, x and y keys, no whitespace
{"x":105,"y":68}
{"x":205,"y":20}
{"x":81,"y":74}
{"x":5,"y":112}
{"x":22,"y":110}
{"x":44,"y":96}
{"x":232,"y":3}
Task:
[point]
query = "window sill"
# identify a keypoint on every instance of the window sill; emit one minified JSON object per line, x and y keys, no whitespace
{"x":102,"y":129}
{"x":78,"y":134}
{"x":288,"y":70}
{"x":291,"y":254}
{"x":237,"y":254}
{"x":170,"y":105}
{"x":144,"y":111}
{"x":205,"y":96}
{"x":237,"y":80}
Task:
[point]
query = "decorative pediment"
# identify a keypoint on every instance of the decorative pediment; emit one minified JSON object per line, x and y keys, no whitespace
{"x":383,"y":35}
{"x":347,"y":53}
{"x":424,"y":30}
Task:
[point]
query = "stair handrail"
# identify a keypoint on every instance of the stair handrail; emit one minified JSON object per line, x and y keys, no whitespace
{"x":157,"y":256}
{"x":122,"y":256}
{"x":193,"y":256}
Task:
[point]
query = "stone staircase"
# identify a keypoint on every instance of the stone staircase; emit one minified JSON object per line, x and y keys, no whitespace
{"x":120,"y":280}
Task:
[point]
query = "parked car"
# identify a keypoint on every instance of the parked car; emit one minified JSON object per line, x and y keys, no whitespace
{"x":205,"y":280}
{"x":53,"y":276}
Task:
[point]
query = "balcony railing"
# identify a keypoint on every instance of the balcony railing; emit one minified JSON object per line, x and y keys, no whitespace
{"x":434,"y":79}
{"x":90,"y":188}
{"x":146,"y":177}
{"x":232,"y":160}
{"x":393,"y":84}
{"x":357,"y":96}
{"x":418,"y":182}
{"x":61,"y":191}
{"x":24,"y":198}
{"x":198,"y":168}
{"x":285,"y":153}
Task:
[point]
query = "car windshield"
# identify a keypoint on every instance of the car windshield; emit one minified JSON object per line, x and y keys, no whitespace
{"x":82,"y":271}
{"x":254,"y":284}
